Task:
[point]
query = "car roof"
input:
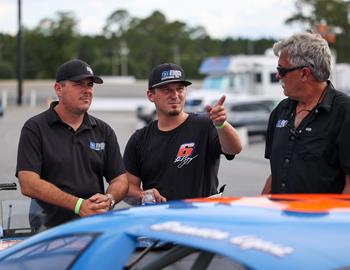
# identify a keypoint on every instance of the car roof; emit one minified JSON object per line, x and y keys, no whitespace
{"x":279,"y":231}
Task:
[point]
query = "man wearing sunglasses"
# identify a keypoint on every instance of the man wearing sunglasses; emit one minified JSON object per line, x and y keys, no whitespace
{"x":308,"y":133}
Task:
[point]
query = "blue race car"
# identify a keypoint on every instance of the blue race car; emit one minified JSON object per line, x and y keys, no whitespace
{"x":266,"y":232}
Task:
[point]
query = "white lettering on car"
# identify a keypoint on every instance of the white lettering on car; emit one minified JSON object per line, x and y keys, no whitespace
{"x":244,"y":242}
{"x":177,"y":227}
{"x":253,"y":242}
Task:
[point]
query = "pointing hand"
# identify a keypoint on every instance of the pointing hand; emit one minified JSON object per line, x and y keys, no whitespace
{"x":217,"y":112}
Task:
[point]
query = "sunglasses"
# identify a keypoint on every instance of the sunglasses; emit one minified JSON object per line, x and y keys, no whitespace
{"x":283,"y":71}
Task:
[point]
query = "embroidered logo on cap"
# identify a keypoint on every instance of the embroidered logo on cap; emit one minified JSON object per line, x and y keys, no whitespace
{"x":170,"y":74}
{"x":89,"y":70}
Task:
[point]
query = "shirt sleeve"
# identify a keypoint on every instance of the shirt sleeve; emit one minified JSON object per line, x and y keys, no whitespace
{"x":269,"y":134}
{"x":114,"y":165}
{"x":344,"y":145}
{"x":29,"y":153}
{"x":131,"y":155}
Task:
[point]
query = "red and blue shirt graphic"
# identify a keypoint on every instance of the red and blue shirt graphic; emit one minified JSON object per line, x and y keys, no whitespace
{"x":185,"y":154}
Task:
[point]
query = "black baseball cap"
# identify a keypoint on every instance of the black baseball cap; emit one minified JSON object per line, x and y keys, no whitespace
{"x":166,"y":73}
{"x":76,"y":70}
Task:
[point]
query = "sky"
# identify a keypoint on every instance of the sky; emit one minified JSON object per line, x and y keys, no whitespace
{"x":221,"y":18}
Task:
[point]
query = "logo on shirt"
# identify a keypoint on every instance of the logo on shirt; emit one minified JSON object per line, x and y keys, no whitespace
{"x":184,"y":155}
{"x":97,"y":146}
{"x":281,"y":123}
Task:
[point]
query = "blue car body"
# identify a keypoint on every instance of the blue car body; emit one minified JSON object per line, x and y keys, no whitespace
{"x":266,"y":232}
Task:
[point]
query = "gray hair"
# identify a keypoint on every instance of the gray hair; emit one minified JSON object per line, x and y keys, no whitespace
{"x":307,"y":49}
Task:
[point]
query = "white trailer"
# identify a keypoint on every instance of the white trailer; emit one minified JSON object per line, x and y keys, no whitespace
{"x":238,"y":77}
{"x":341,"y":78}
{"x":242,"y":74}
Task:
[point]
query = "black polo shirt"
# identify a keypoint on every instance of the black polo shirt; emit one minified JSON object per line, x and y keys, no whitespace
{"x":74,"y":161}
{"x":315,"y":157}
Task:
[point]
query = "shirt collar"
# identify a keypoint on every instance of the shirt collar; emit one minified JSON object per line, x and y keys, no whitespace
{"x":325,"y":104}
{"x":327,"y":101}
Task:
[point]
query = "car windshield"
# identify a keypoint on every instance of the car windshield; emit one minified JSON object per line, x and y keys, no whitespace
{"x":57,"y":253}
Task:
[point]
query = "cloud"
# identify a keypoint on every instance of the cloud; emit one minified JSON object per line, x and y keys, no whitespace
{"x":8,"y":15}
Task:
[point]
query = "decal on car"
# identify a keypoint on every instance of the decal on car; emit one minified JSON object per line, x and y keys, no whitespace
{"x":244,"y":242}
{"x":253,"y":242}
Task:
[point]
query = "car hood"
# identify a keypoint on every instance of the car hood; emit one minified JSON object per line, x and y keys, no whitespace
{"x":274,"y":232}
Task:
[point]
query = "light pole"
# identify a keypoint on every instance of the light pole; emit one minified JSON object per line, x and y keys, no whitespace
{"x":19,"y":56}
{"x":124,"y":51}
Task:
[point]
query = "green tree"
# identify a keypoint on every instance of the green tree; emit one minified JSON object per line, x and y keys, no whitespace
{"x":151,"y":40}
{"x":154,"y":40}
{"x":313,"y":12}
{"x":330,"y":18}
{"x":51,"y":43}
{"x":7,"y":56}
{"x":117,"y":24}
{"x":96,"y":50}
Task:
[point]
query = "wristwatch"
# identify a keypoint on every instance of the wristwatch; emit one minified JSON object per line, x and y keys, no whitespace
{"x":112,"y":200}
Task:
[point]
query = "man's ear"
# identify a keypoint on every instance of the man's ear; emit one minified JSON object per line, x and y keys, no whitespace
{"x":58,"y":89}
{"x":150,"y":95}
{"x":305,"y":73}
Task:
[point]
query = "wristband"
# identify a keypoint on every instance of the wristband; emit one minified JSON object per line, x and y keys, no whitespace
{"x":221,"y":125}
{"x":78,"y":205}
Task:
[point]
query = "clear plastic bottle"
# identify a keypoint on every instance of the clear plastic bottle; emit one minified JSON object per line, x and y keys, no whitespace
{"x":148,"y":197}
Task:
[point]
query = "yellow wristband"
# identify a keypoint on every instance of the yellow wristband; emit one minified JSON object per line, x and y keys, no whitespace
{"x":221,"y":126}
{"x":78,"y":205}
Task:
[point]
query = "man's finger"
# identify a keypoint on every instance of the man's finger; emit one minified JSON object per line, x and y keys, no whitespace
{"x":97,"y":198}
{"x":221,"y":101}
{"x":208,"y":108}
{"x":157,"y":196}
{"x":97,"y":206}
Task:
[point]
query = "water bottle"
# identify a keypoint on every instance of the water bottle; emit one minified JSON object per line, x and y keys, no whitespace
{"x":148,"y":197}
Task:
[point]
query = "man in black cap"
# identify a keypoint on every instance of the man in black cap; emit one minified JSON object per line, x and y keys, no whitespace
{"x":64,"y":153}
{"x":177,"y":156}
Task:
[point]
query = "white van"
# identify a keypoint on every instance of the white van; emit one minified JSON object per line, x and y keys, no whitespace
{"x":246,"y":75}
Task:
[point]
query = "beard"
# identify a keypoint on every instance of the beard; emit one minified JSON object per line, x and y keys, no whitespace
{"x":173,"y":113}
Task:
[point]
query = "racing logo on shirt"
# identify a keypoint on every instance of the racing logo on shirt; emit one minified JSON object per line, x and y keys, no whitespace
{"x":184,"y":155}
{"x":281,"y":123}
{"x":97,"y":146}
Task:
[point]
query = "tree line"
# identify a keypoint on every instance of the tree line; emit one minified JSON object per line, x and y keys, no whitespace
{"x":126,"y":46}
{"x":132,"y":46}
